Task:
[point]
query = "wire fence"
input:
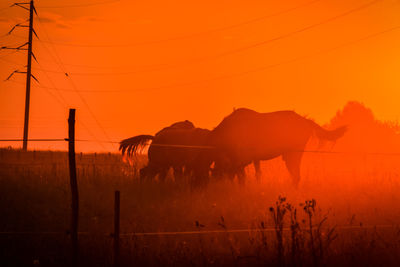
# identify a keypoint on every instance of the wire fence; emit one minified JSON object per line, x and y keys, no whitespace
{"x":378,"y":153}
{"x":195,"y":232}
{"x":203,"y":232}
{"x":200,"y":231}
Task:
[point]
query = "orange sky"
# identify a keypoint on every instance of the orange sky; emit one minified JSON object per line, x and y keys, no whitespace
{"x":141,"y":65}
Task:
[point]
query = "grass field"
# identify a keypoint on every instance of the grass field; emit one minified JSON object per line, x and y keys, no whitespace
{"x":355,"y":221}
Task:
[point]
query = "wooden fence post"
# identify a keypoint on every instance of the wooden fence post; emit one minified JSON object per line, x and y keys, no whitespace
{"x":74,"y":187}
{"x":116,"y":228}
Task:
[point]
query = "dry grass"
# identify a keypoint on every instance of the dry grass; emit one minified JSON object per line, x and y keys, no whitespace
{"x":362,"y":192}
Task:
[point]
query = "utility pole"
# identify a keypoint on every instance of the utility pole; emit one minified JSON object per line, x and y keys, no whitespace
{"x":28,"y":72}
{"x":28,"y":78}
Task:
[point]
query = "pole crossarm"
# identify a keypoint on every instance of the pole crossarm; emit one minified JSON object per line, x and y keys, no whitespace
{"x":23,"y":72}
{"x":17,"y":48}
{"x":13,"y":48}
{"x":15,"y":26}
{"x":21,"y":47}
{"x":21,"y":5}
{"x":12,"y":73}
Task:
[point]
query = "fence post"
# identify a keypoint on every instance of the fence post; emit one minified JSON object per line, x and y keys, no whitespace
{"x":74,"y":187}
{"x":116,"y":228}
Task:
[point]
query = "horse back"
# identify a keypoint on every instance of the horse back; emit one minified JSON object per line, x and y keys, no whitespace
{"x":177,"y":146}
{"x":247,"y":131}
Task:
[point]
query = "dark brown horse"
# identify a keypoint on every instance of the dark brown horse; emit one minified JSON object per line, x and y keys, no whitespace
{"x":247,"y":136}
{"x":133,"y":144}
{"x":176,"y":146}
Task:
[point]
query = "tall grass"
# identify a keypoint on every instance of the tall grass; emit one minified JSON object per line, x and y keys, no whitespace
{"x":35,"y":197}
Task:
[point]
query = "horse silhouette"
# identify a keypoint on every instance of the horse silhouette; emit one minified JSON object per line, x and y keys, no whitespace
{"x":175,"y":146}
{"x":133,"y":144}
{"x":247,"y":136}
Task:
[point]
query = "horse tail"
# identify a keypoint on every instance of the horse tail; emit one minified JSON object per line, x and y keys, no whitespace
{"x":133,"y":144}
{"x":330,"y":135}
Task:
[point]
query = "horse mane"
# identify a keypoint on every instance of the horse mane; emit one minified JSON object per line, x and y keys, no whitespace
{"x":137,"y":143}
{"x":133,"y":144}
{"x":236,"y":112}
{"x":186,"y":124}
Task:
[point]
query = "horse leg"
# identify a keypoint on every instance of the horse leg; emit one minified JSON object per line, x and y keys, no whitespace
{"x":147,"y":172}
{"x":292,"y":160}
{"x":143,"y":174}
{"x":178,"y":173}
{"x":162,"y":174}
{"x":241,"y":174}
{"x":257,"y":169}
{"x":199,"y":177}
{"x":187,"y":171}
{"x":217,"y":172}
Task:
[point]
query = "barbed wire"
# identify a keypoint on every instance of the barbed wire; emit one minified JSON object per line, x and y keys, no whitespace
{"x":205,"y":147}
{"x":34,"y":140}
{"x":200,"y":232}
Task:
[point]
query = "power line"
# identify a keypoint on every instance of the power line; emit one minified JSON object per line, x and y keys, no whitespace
{"x":11,"y":62}
{"x":34,"y":140}
{"x":238,"y":74}
{"x":4,"y":9}
{"x":234,"y":51}
{"x":59,"y":62}
{"x":176,"y":38}
{"x":312,"y":26}
{"x":82,"y":5}
{"x":233,"y":75}
{"x":58,"y":90}
{"x":66,"y":105}
{"x":87,"y":107}
{"x":190,"y":36}
{"x":109,"y":67}
{"x":63,"y":102}
{"x":11,"y":53}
